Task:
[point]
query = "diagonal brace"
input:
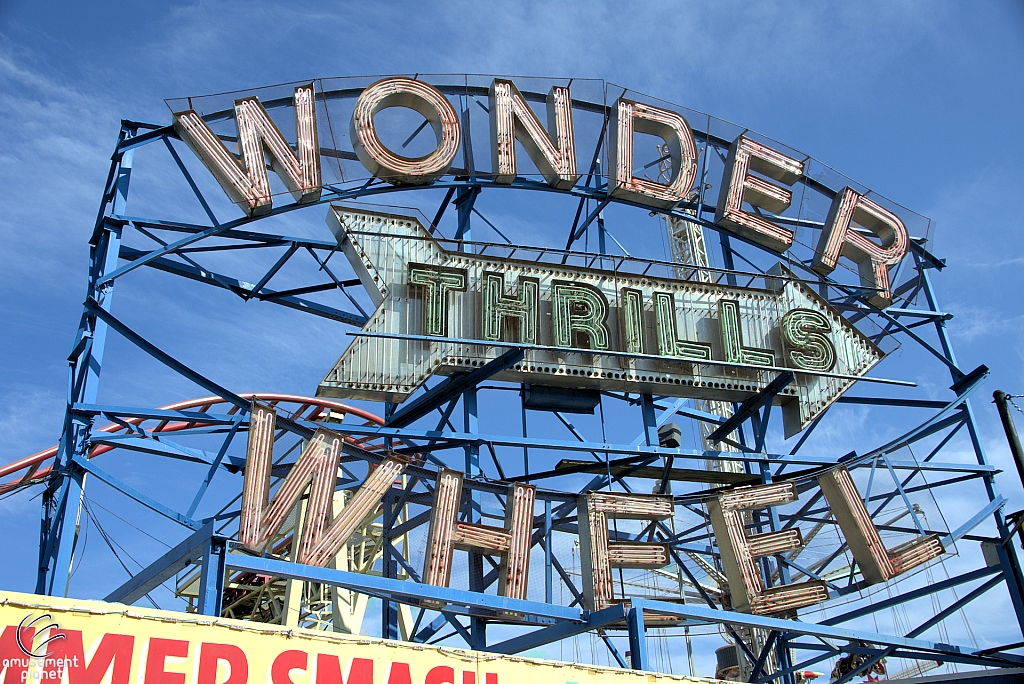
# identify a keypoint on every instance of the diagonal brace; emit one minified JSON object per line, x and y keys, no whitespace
{"x":751,"y":406}
{"x":452,"y":388}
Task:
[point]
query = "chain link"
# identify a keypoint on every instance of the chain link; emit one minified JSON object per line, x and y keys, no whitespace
{"x":1010,"y":398}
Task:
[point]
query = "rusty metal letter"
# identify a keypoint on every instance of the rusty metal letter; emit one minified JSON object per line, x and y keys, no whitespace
{"x":876,"y":563}
{"x":840,"y":238}
{"x":316,"y":467}
{"x":363,"y":506}
{"x":397,"y":91}
{"x":629,"y":117}
{"x":598,"y":554}
{"x":512,"y":119}
{"x":740,"y":551}
{"x":739,"y":186}
{"x":246,"y":181}
{"x":512,"y":541}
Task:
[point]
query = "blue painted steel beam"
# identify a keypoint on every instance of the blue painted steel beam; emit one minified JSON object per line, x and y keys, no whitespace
{"x":451,"y":388}
{"x":565,"y":445}
{"x":749,"y":407}
{"x":133,"y":493}
{"x":163,"y":568}
{"x":157,"y":447}
{"x":637,"y":637}
{"x":155,"y":413}
{"x":255,"y":291}
{"x":563,"y":630}
{"x":235,"y":285}
{"x":404,"y":591}
{"x":888,"y":401}
{"x":163,"y":357}
{"x":797,"y":627}
{"x":145,"y":138}
{"x":978,"y":518}
{"x":904,"y":597}
{"x":191,"y":182}
{"x":931,"y":622}
{"x":211,"y":577}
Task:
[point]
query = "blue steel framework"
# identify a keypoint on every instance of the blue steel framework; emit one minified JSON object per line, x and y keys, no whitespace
{"x":206,"y":547}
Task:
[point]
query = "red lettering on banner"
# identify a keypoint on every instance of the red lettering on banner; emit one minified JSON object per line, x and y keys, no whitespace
{"x":491,"y":678}
{"x":442,"y":674}
{"x":159,"y":650}
{"x":468,"y":677}
{"x":328,"y":670}
{"x":281,"y":670}
{"x":16,"y":667}
{"x":69,"y":654}
{"x":398,"y":673}
{"x":210,"y":656}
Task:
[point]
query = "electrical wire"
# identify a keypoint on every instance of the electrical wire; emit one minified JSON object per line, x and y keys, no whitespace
{"x":111,"y":543}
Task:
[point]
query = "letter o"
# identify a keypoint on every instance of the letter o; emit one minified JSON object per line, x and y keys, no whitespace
{"x":398,"y":91}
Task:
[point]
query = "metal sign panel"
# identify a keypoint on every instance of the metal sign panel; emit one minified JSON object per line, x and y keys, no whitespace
{"x":443,"y":312}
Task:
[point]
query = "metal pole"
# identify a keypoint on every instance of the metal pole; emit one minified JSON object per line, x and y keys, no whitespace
{"x":1003,"y":406}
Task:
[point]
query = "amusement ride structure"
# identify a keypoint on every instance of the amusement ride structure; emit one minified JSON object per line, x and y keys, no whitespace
{"x":538,"y":424}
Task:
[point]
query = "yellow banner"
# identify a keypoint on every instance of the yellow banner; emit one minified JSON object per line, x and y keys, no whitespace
{"x":67,"y":641}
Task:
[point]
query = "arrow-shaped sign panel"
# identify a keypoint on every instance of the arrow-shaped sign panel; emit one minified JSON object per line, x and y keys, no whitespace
{"x":443,"y":312}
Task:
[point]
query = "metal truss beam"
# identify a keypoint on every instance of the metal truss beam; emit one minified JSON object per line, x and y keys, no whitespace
{"x":455,"y":600}
{"x":709,"y":615}
{"x":602,"y":618}
{"x":292,"y":301}
{"x":133,"y":493}
{"x":458,"y":439}
{"x":904,"y":597}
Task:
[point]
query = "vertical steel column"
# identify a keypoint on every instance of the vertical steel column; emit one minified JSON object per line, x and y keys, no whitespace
{"x":389,"y":568}
{"x":774,"y":524}
{"x":1007,"y":560}
{"x":601,"y":245}
{"x":637,"y":638}
{"x":650,"y":420}
{"x":548,"y":583}
{"x":86,"y":363}
{"x":211,"y":577}
{"x":477,"y":626}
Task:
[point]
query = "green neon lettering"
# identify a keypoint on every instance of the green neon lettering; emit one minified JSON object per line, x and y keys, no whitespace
{"x":805,"y":340}
{"x":633,"y":337}
{"x":732,"y":337}
{"x":521,"y":308}
{"x":579,"y":310}
{"x":669,"y":343}
{"x":436,"y":282}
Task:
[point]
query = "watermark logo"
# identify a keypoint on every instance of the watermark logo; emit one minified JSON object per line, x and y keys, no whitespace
{"x":33,"y":649}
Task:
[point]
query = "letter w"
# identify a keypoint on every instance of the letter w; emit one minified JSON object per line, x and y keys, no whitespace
{"x":246,"y":181}
{"x":318,"y":464}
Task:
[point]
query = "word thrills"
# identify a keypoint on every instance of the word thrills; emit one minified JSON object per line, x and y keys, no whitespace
{"x":442,"y":312}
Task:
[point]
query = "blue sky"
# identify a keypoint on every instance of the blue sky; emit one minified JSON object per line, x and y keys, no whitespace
{"x":920,"y":101}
